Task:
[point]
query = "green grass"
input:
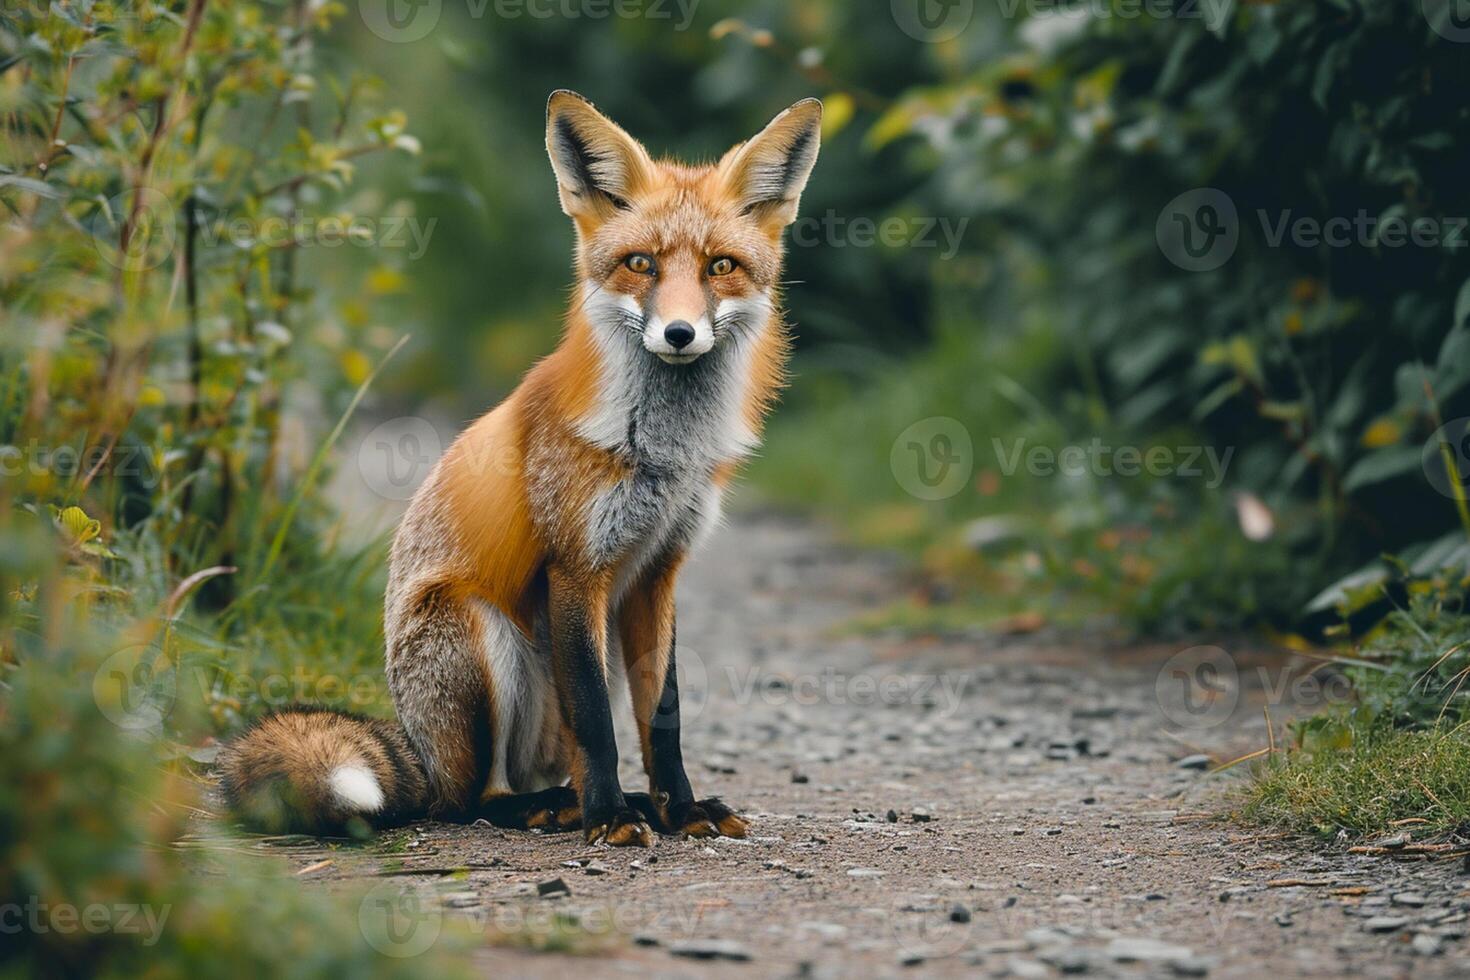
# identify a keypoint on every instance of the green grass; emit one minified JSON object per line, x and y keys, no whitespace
{"x":1400,"y":751}
{"x":1364,"y":788}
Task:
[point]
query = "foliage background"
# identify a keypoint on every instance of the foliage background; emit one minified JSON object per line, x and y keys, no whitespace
{"x":185,"y":393}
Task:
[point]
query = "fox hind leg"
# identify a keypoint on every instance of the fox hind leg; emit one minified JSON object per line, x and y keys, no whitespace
{"x":437,"y":678}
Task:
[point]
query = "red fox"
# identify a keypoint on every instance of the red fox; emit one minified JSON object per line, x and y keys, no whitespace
{"x":545,"y":543}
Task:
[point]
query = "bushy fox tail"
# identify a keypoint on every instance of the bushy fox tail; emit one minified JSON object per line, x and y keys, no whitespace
{"x":317,"y":771}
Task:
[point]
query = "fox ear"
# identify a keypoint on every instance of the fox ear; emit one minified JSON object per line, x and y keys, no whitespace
{"x":766,"y":174}
{"x":598,"y":166}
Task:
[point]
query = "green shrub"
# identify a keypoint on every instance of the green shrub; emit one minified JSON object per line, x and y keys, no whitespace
{"x":1077,"y":142}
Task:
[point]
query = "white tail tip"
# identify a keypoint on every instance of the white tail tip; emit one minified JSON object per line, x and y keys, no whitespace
{"x":356,"y":788}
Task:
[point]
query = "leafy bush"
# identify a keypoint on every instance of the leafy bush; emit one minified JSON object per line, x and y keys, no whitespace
{"x":173,"y":352}
{"x":1326,"y":364}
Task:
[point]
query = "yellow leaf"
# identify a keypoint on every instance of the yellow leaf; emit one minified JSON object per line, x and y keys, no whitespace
{"x":78,"y":526}
{"x":837,"y":110}
{"x":1384,"y":432}
{"x":356,"y":366}
{"x":384,"y":280}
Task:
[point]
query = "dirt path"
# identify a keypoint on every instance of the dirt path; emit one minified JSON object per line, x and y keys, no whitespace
{"x":959,"y":806}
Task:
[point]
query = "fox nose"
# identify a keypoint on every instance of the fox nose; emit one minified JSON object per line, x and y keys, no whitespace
{"x":679,"y":334}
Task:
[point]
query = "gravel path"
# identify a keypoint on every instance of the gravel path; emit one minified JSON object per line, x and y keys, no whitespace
{"x":958,"y":806}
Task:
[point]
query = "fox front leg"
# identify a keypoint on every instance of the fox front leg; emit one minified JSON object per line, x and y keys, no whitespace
{"x":579,"y":663}
{"x":647,"y":634}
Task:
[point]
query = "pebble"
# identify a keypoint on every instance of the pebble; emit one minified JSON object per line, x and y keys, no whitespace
{"x":1068,"y":959}
{"x":1193,"y":762}
{"x":865,"y":873}
{"x":1135,"y":950}
{"x":595,"y":868}
{"x":460,"y":900}
{"x":1394,"y":842}
{"x":1411,"y":899}
{"x":1026,"y":969}
{"x":552,"y":888}
{"x":922,"y":814}
{"x":959,"y":914}
{"x":711,"y":949}
{"x":1385,"y":923}
{"x":799,"y":777}
{"x":1426,"y":945}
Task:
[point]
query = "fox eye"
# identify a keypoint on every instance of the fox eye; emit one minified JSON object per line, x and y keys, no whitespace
{"x":722,"y":266}
{"x":639,"y":263}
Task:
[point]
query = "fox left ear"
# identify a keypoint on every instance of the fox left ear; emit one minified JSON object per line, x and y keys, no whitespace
{"x":598,"y":165}
{"x":766,"y":174}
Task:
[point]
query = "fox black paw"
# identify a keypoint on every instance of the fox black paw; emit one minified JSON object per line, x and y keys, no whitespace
{"x":706,"y":818}
{"x":627,"y":828}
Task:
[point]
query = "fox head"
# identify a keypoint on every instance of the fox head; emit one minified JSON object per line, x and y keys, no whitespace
{"x":680,"y":259}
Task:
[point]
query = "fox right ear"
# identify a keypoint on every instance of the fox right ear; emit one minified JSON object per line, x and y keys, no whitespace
{"x":598,"y":166}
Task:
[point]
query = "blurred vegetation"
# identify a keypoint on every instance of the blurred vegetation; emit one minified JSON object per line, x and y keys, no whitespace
{"x":216,"y":229}
{"x":167,"y":359}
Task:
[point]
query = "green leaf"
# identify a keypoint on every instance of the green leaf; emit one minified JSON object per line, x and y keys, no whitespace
{"x":1385,"y":464}
{"x":1462,"y":304}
